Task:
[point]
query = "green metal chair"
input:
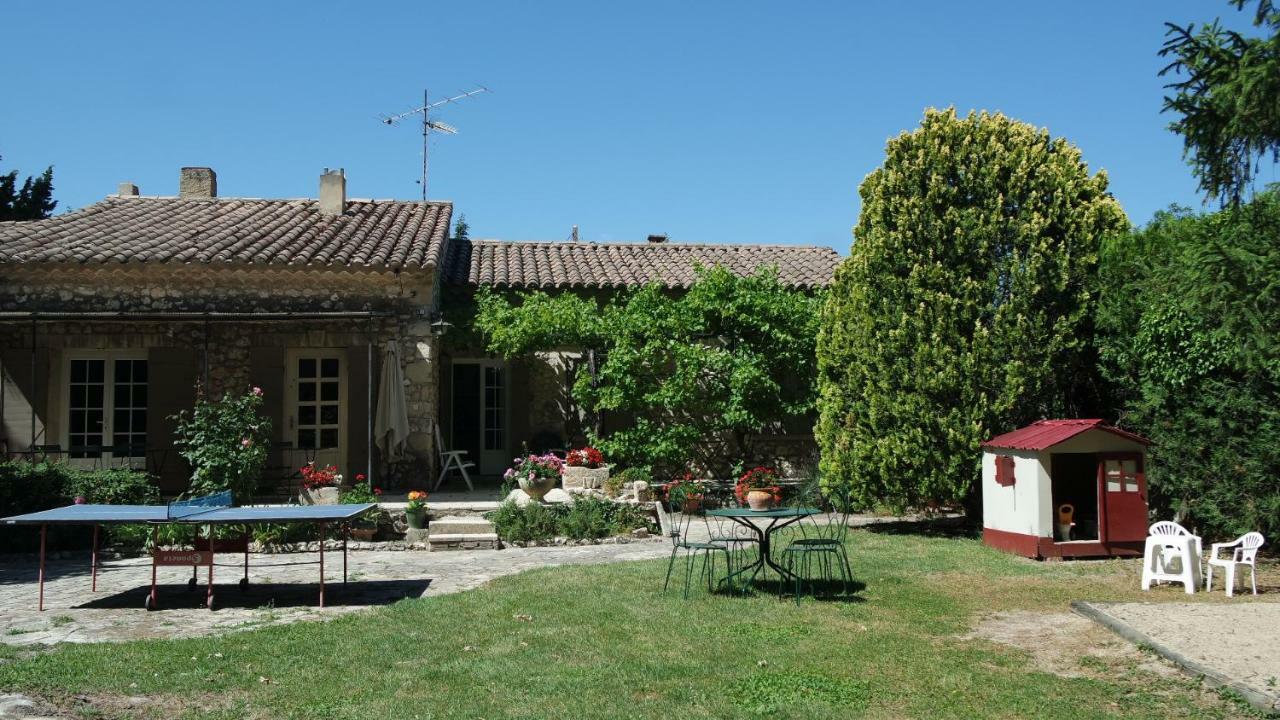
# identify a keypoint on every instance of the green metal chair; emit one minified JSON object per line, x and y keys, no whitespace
{"x":675,"y":524}
{"x":819,"y":553}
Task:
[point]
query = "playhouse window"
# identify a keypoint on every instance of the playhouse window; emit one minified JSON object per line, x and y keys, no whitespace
{"x":1121,"y":475}
{"x":1004,"y":470}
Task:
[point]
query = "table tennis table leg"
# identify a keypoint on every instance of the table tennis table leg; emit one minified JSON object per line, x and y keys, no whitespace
{"x":44,"y":529}
{"x":346,"y":533}
{"x":150,"y":604}
{"x":208,"y":595}
{"x":93,"y":561}
{"x":244,"y":582}
{"x":322,"y":529}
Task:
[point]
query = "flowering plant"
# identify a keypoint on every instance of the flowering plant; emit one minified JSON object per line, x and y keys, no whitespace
{"x":533,"y":468}
{"x":226,"y":443}
{"x":683,"y":491}
{"x":758,"y":478}
{"x":417,"y":501}
{"x":317,"y":477}
{"x":361,"y":493}
{"x":587,"y":457}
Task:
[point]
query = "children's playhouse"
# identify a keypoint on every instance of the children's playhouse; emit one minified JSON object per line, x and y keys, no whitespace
{"x":1065,"y":488}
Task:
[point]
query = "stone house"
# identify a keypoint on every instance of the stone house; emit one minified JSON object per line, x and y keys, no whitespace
{"x":113,"y":317}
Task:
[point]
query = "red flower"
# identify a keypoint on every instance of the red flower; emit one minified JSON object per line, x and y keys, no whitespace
{"x":377,"y":491}
{"x":359,"y":477}
{"x":588,"y":457}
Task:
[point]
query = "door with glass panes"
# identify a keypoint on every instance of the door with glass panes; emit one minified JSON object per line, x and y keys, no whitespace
{"x":316,"y":411}
{"x":478,"y":416}
{"x":105,"y":396}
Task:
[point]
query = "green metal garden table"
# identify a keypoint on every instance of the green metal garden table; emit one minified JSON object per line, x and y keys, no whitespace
{"x":778,"y":518}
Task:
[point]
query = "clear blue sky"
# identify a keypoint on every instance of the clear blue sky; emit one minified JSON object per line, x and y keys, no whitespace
{"x":710,"y":121}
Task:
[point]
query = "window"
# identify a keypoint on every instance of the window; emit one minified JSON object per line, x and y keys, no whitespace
{"x":1005,"y":471}
{"x":106,"y":406}
{"x":319,"y":401}
{"x":1121,"y":475}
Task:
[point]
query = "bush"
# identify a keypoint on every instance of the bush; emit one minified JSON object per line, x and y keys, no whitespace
{"x":31,"y":487}
{"x":617,"y":481}
{"x":586,"y":519}
{"x":226,"y":443}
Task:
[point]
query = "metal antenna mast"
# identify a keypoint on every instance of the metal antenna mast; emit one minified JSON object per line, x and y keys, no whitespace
{"x":429,"y":124}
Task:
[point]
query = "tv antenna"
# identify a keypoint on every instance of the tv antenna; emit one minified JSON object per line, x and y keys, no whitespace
{"x":430,"y":124}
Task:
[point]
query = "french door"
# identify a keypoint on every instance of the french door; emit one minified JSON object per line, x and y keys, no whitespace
{"x":105,"y":396}
{"x":317,"y":407}
{"x":479,"y":416}
{"x":1122,"y":488}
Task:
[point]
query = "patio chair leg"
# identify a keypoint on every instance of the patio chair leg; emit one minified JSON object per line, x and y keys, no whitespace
{"x":670,"y":564}
{"x":689,"y":557}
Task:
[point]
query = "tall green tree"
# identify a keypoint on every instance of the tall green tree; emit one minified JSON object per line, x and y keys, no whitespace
{"x":461,"y":230}
{"x":1227,"y":94}
{"x":964,"y":309}
{"x":1189,"y":318}
{"x":689,"y":380}
{"x":32,"y":201}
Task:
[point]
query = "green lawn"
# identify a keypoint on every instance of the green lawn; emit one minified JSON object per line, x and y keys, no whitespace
{"x":602,"y":642}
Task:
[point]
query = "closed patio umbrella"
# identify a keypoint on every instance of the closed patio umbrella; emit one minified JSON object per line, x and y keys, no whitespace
{"x":391,"y":424}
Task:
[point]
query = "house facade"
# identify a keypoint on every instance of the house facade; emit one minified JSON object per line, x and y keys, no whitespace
{"x":114,"y":317}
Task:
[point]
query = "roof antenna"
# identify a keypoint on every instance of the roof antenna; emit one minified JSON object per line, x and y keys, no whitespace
{"x":429,"y":124}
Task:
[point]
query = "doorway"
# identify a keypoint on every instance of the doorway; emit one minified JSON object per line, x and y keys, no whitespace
{"x":1074,"y":477}
{"x":479,"y":414}
{"x":316,"y":412}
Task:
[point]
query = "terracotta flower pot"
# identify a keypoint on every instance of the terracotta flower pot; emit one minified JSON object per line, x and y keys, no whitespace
{"x":692,"y":505}
{"x":537,"y":487}
{"x":760,"y":499}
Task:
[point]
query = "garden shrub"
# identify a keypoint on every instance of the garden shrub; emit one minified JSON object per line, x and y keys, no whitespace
{"x":614,"y":484}
{"x":588,"y":518}
{"x":30,"y":487}
{"x":965,"y":308}
{"x":226,"y":443}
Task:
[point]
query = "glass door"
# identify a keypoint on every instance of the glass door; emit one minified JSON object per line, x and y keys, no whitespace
{"x":479,"y":414}
{"x":317,"y":408}
{"x":106,"y":402}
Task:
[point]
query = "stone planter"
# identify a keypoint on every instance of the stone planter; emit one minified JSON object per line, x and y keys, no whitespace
{"x":416,"y":519}
{"x":537,"y":488}
{"x":319,"y":496}
{"x":585,"y":478}
{"x":363,"y":533}
{"x":760,"y":499}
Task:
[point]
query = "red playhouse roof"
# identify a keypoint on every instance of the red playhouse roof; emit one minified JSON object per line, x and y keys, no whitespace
{"x":1044,"y":434}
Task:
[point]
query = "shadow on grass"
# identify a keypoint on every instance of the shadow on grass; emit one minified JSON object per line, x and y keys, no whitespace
{"x":942,"y":527}
{"x":821,"y":590}
{"x":357,"y":593}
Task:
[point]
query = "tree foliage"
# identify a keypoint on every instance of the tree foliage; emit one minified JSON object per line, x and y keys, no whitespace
{"x":964,"y":309}
{"x":691,"y":379}
{"x":1228,"y":96}
{"x":32,"y":201}
{"x":226,"y":442}
{"x":1189,"y":315}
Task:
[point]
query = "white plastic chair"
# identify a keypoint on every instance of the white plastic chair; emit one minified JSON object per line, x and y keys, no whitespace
{"x":451,"y":460}
{"x":1171,"y":552}
{"x":1245,"y":553}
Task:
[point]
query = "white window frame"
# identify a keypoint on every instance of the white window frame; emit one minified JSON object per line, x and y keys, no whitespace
{"x":330,"y":456}
{"x":109,"y":357}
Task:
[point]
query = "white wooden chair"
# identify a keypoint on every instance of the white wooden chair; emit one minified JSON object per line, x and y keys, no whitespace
{"x":452,"y":460}
{"x":1245,"y":553}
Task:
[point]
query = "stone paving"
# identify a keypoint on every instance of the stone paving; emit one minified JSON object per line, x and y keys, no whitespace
{"x":277,"y":593}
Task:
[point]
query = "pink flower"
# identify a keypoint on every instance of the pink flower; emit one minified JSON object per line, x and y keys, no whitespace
{"x":246,"y":443}
{"x":80,"y":500}
{"x":257,"y":391}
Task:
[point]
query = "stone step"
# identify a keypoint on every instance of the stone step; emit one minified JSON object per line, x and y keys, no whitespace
{"x":460,"y":525}
{"x":462,"y":541}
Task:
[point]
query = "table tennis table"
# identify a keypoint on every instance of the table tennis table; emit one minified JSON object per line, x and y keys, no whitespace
{"x":208,"y":511}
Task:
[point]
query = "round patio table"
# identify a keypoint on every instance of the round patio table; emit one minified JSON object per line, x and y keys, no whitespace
{"x":778,"y":518}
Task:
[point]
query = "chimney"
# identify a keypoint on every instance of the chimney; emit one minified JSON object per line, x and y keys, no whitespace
{"x":657,"y":239}
{"x":127,"y":188}
{"x":333,"y":192}
{"x":198,"y":182}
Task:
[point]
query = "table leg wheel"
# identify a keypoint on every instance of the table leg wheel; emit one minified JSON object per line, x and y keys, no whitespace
{"x":191,"y":584}
{"x":244,"y":583}
{"x":150,"y":602}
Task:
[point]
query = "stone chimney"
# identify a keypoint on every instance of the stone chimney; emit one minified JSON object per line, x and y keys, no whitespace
{"x":333,"y":191}
{"x":198,"y":182}
{"x":657,"y":239}
{"x":127,"y":188}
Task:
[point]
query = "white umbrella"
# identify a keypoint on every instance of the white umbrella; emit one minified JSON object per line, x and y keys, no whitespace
{"x":391,"y":425}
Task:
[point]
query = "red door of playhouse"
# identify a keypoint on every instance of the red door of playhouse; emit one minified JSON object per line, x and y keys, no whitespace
{"x":1122,"y":486}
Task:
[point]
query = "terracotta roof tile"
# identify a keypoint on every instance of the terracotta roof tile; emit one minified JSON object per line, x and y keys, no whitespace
{"x":382,"y":234}
{"x":614,"y":265}
{"x":1044,"y":434}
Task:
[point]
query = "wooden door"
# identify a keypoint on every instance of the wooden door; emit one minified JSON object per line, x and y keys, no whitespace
{"x":1123,"y":490}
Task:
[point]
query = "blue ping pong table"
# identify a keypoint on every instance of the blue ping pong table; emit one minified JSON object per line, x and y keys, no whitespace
{"x":204,"y":511}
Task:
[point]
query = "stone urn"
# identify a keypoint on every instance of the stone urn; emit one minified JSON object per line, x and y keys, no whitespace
{"x":537,"y":487}
{"x":584,"y":477}
{"x":319,"y":496}
{"x":760,"y":499}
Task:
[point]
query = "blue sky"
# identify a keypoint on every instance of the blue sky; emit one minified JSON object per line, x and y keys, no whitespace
{"x":709,"y":121}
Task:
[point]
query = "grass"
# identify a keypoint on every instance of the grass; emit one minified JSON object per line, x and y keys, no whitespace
{"x":602,"y":642}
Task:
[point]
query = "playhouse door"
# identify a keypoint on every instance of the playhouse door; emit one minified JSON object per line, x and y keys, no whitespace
{"x":1123,"y":490}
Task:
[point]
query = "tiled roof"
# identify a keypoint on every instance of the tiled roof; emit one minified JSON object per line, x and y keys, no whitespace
{"x":381,"y":234}
{"x":1044,"y":434}
{"x":517,"y":264}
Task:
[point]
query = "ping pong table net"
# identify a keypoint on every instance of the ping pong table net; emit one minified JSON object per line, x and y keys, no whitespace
{"x":189,"y":507}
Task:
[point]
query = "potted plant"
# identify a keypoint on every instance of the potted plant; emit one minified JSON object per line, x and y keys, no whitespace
{"x":364,"y":527}
{"x":320,"y":485}
{"x":758,"y":488}
{"x":585,"y":468}
{"x":415,"y":511}
{"x":536,"y":475}
{"x":685,"y":493}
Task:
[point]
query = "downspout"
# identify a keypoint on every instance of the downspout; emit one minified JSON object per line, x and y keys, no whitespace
{"x":32,"y":446}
